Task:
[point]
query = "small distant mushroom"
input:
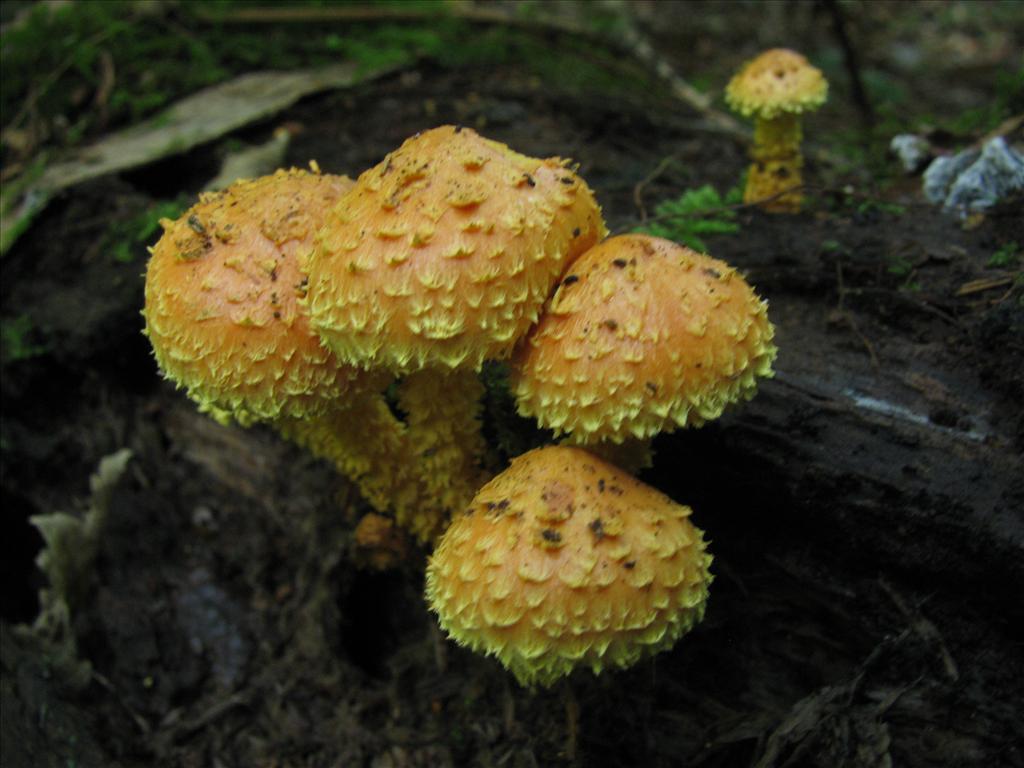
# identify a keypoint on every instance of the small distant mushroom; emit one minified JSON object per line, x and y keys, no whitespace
{"x":225,"y":319}
{"x":564,"y":561}
{"x":439,"y":258}
{"x":648,"y":336}
{"x":378,"y":543}
{"x":776,"y":88}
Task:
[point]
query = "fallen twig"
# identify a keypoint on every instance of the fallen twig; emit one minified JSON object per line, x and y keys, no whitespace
{"x":851,"y":61}
{"x":984,"y":284}
{"x":638,"y":190}
{"x":812,"y":713}
{"x":924,"y":629}
{"x":640,"y":47}
{"x":139,"y":720}
{"x":175,"y":731}
{"x":848,"y":316}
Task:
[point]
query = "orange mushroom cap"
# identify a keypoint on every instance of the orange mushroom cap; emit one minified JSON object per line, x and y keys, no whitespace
{"x":642,"y":335}
{"x":223,"y":310}
{"x":563,"y":561}
{"x":777,"y":82}
{"x":444,"y":253}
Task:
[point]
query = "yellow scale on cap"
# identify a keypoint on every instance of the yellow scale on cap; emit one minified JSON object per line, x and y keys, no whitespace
{"x":563,"y":561}
{"x":444,"y":253}
{"x":439,"y":258}
{"x":222,"y":300}
{"x":225,"y":317}
{"x":777,"y":82}
{"x":643,"y":335}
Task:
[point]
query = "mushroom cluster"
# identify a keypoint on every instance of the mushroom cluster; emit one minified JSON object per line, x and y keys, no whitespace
{"x":302,"y":299}
{"x":225,"y":318}
{"x":298,"y":298}
{"x":439,"y":258}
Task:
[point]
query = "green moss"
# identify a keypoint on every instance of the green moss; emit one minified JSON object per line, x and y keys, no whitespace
{"x":20,"y":340}
{"x":695,"y":214}
{"x":870,"y":206}
{"x":16,"y":218}
{"x":58,"y":64}
{"x":126,"y":240}
{"x":899,"y":266}
{"x":1008,"y":255}
{"x":1008,"y":100}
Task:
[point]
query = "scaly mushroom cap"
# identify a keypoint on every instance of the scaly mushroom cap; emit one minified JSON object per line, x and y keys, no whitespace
{"x":564,"y":560}
{"x":223,"y":309}
{"x":642,"y":335}
{"x":778,"y":81}
{"x":444,"y":253}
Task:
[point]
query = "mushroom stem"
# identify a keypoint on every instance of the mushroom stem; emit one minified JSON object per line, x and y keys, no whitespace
{"x":367,"y":443}
{"x":776,"y":164}
{"x":508,"y":707}
{"x":442,"y":413}
{"x":572,"y":722}
{"x":379,"y":544}
{"x":778,"y":136}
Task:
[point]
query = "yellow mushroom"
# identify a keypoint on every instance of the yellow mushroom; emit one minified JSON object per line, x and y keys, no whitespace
{"x":642,"y":336}
{"x":225,"y":318}
{"x":439,"y":258}
{"x":565,"y":561}
{"x":776,"y":88}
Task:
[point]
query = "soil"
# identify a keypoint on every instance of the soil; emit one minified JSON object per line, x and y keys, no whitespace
{"x":865,"y":509}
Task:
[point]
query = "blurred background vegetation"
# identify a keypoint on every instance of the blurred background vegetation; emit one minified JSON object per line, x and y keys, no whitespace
{"x":75,"y":70}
